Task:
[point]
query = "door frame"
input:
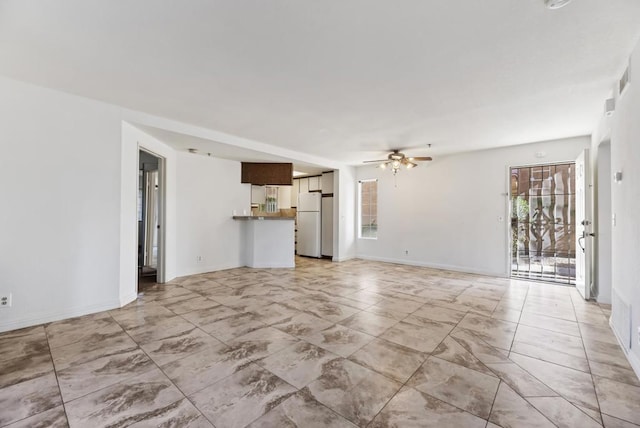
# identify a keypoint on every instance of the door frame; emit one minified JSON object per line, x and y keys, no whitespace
{"x":162,"y":208}
{"x":509,"y":267}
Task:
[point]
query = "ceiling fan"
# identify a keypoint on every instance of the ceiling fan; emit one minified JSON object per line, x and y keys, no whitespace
{"x":396,"y":159}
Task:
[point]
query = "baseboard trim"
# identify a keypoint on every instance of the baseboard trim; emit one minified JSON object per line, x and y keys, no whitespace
{"x":633,"y":359}
{"x":206,"y":269}
{"x":432,"y":266}
{"x":57,"y":316}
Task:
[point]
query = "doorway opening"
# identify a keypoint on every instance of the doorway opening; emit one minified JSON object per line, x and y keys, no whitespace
{"x":543,"y":223}
{"x":150,"y":203}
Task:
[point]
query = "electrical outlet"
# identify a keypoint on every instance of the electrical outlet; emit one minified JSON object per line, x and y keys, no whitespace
{"x":406,"y":252}
{"x":199,"y":259}
{"x":5,"y":300}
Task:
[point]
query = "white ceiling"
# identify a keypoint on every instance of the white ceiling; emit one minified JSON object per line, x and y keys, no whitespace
{"x":342,"y":80}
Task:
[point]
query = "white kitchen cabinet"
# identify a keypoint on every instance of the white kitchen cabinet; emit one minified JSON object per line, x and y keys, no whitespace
{"x":295,"y":189}
{"x":327,"y":183}
{"x":284,"y":197}
{"x":304,"y":185}
{"x":258,"y":195}
{"x":314,"y":183}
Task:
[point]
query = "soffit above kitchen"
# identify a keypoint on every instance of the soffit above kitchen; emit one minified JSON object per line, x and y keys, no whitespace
{"x":346,"y":80}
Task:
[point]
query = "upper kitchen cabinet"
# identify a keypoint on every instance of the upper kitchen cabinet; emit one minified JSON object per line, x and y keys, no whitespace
{"x":295,"y":189}
{"x":276,"y":174}
{"x":327,"y":183}
{"x":314,"y":184}
{"x":304,"y":185}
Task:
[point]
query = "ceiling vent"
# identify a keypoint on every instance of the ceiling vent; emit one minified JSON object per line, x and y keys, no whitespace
{"x":556,"y":4}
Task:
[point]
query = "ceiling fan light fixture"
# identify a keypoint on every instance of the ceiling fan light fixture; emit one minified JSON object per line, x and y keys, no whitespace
{"x":410,"y":165}
{"x":556,"y":4}
{"x":383,"y":165}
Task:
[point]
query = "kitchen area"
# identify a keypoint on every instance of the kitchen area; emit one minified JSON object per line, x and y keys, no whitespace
{"x":290,"y":214}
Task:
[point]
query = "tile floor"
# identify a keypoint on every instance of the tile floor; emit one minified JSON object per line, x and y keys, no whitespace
{"x":329,"y":345}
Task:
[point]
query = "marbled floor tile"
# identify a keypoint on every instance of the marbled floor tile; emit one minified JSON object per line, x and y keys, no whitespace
{"x":347,"y":301}
{"x":562,"y":413}
{"x":177,"y":299}
{"x":164,"y":351}
{"x":365,"y":297}
{"x":473,"y":343}
{"x":78,"y":380}
{"x":450,"y":350}
{"x":339,"y":340}
{"x":205,"y":317}
{"x":162,"y":329}
{"x":504,"y":314}
{"x":18,"y":345}
{"x":52,"y":418}
{"x":82,"y":352}
{"x":550,"y":340}
{"x":199,"y":370}
{"x":300,"y":410}
{"x":476,"y":303}
{"x":595,"y":317}
{"x":495,"y":332}
{"x":542,"y":352}
{"x":351,"y":390}
{"x":136,"y":316}
{"x":399,"y":305}
{"x":368,"y":322}
{"x":163,"y":292}
{"x":28,"y":398}
{"x":86,"y":329}
{"x":611,"y":422}
{"x":243,"y":397}
{"x":389,"y":359}
{"x":181,"y":414}
{"x":423,"y":338}
{"x":606,"y":353}
{"x":24,"y":368}
{"x":457,"y":385}
{"x":261,"y":343}
{"x":521,"y":381}
{"x":387,"y":313}
{"x":436,"y":313}
{"x":574,"y":385}
{"x":617,"y":373}
{"x":619,"y":400}
{"x":332,"y":312}
{"x":413,"y":409}
{"x":193,"y":304}
{"x":602,"y":333}
{"x":234,"y":326}
{"x":298,"y":364}
{"x":549,"y":323}
{"x":133,"y":400}
{"x":512,"y":411}
{"x":272,"y":313}
{"x":22,"y":333}
{"x":302,"y":325}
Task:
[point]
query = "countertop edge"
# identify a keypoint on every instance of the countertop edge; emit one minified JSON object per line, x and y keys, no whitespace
{"x":255,"y":217}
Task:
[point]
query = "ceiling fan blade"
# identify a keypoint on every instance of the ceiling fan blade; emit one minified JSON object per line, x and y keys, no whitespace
{"x":373,"y":161}
{"x":421,"y":158}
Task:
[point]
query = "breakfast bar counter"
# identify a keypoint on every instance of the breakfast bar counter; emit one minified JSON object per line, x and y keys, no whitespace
{"x":269,"y":241}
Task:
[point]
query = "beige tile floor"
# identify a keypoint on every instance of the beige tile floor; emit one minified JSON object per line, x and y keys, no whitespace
{"x":346,"y":344}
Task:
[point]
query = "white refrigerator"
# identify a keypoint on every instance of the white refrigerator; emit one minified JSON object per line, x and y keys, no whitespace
{"x":309,"y":224}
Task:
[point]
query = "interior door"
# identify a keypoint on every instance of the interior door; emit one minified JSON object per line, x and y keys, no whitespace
{"x":584,"y":225}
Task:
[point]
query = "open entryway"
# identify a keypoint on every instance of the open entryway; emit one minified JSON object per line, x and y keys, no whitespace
{"x":150,"y":214}
{"x":543,"y":222}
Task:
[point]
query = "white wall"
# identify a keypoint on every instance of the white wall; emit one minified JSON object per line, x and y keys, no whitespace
{"x":60,"y":161}
{"x":602,"y":221}
{"x":68,"y":224}
{"x":208,"y":190}
{"x":344,"y":208}
{"x":625,"y":157}
{"x":445,"y":213}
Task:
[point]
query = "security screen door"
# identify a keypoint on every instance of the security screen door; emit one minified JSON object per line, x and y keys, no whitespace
{"x":543,"y":223}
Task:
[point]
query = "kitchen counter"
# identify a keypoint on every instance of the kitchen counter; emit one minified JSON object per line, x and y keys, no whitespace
{"x":268,"y":244}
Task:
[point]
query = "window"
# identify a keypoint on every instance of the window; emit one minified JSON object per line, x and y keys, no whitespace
{"x":368,"y":205}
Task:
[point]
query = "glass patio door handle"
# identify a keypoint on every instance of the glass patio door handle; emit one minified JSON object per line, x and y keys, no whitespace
{"x":580,"y":239}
